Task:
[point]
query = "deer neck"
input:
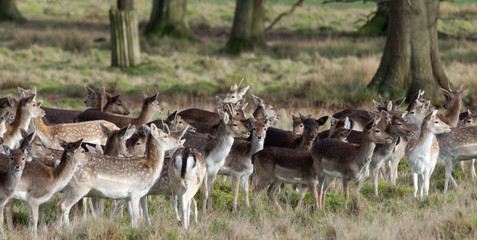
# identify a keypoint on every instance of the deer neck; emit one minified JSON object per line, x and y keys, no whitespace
{"x":12,"y":180}
{"x":365,"y":152}
{"x":98,"y":104}
{"x":259,"y":113}
{"x":424,"y":142}
{"x":22,"y":120}
{"x":221,"y":145}
{"x":452,"y":113}
{"x":111,"y":149}
{"x":155,"y":153}
{"x":256,"y":145}
{"x":305,"y":143}
{"x":64,"y":172}
{"x":145,"y":116}
{"x":43,"y":132}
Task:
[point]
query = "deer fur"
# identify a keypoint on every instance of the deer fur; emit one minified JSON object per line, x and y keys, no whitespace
{"x":421,"y":153}
{"x":150,"y":108}
{"x":297,"y":125}
{"x":333,"y":158}
{"x":119,"y":178}
{"x":187,"y":171}
{"x":88,"y":131}
{"x":39,"y":182}
{"x":26,"y":110}
{"x":217,"y":150}
{"x":11,"y":169}
{"x":470,"y":120}
{"x":238,"y":163}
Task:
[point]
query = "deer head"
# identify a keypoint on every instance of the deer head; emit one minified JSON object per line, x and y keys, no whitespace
{"x":233,"y":127}
{"x":115,"y":105}
{"x":375,"y":133}
{"x":434,"y":124}
{"x":17,"y":158}
{"x":235,"y":94}
{"x":177,"y":123}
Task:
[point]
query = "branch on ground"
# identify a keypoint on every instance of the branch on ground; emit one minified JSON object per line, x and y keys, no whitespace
{"x":297,"y":4}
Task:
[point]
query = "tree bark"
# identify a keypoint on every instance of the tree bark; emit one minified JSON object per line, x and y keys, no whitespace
{"x":169,"y":18}
{"x":125,"y":50}
{"x":9,"y":11}
{"x":410,"y":59}
{"x":248,"y":28}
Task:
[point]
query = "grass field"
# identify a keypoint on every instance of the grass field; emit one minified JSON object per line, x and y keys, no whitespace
{"x":312,"y":64}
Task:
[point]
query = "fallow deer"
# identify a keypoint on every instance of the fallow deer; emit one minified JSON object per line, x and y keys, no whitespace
{"x":421,"y":153}
{"x":26,"y":110}
{"x":239,"y":160}
{"x":218,"y":148}
{"x":470,"y":120}
{"x":174,"y":121}
{"x":297,"y":124}
{"x":150,"y":108}
{"x":39,"y":182}
{"x":119,"y":178}
{"x":3,"y":120}
{"x":281,"y":138}
{"x":333,"y":158}
{"x":7,"y":107}
{"x":104,"y":102}
{"x":11,"y":169}
{"x":88,"y":131}
{"x":187,"y":171}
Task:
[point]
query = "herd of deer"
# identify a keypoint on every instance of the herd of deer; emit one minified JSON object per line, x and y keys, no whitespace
{"x":96,"y":154}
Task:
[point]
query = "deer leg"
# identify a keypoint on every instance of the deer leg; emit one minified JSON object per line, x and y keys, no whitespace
{"x":174,"y":205}
{"x":33,"y":211}
{"x":235,"y":190}
{"x":9,"y":213}
{"x":394,"y":170}
{"x":194,"y":209}
{"x":91,"y":205}
{"x":301,"y":197}
{"x":427,"y":176}
{"x":244,"y":181}
{"x":205,"y":193}
{"x":117,"y":206}
{"x":422,"y":179}
{"x":42,"y":218}
{"x":374,"y":180}
{"x":314,"y":194}
{"x":134,"y":210}
{"x":472,"y":169}
{"x":271,"y":195}
{"x":345,"y":192}
{"x":449,"y":166}
{"x":184,"y":204}
{"x":70,"y":197}
{"x":259,"y":183}
{"x":462,"y":166}
{"x":145,"y":209}
{"x":2,"y":205}
{"x":211,"y":189}
{"x":415,"y":184}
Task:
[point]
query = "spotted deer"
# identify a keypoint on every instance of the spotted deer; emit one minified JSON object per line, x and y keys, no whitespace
{"x":104,"y":102}
{"x":26,"y":110}
{"x":421,"y":153}
{"x":187,"y":171}
{"x":119,"y":178}
{"x":150,"y":108}
{"x":7,"y":107}
{"x":39,"y":182}
{"x":12,"y":164}
{"x":88,"y":131}
{"x":217,"y":150}
{"x":470,"y":120}
{"x":238,"y":163}
{"x":333,"y":158}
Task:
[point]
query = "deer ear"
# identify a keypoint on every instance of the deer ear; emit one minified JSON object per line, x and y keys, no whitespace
{"x":112,"y":99}
{"x":144,"y":95}
{"x":6,"y":150}
{"x":469,"y":112}
{"x":27,"y":150}
{"x":146,"y":129}
{"x":30,"y":98}
{"x":88,"y":90}
{"x":23,"y":133}
{"x":166,"y":129}
{"x":445,"y":92}
{"x":244,"y":90}
{"x":104,"y":130}
{"x":39,"y":103}
{"x":223,"y":115}
{"x":219,"y":102}
{"x":398,"y":102}
{"x":76,"y":145}
{"x":258,"y":101}
{"x":465,"y":92}
{"x":30,"y":137}
{"x":369,"y":125}
{"x":62,"y":142}
{"x":434,"y":113}
{"x":383,"y":100}
{"x":102,"y":89}
{"x":9,"y":99}
{"x":389,"y":107}
{"x":303,"y":118}
{"x":377,"y":105}
{"x":386,"y":116}
{"x":404,"y":114}
{"x":154,"y":131}
{"x":322,"y":120}
{"x":129,"y":133}
{"x":22,"y":92}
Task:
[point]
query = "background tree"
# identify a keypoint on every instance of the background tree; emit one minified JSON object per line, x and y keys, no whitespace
{"x":248,"y":27}
{"x":124,"y":35}
{"x":168,"y":18}
{"x":411,"y":59}
{"x":9,"y":11}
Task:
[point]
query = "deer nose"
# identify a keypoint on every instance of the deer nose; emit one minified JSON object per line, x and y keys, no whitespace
{"x":259,"y":137}
{"x":127,"y":112}
{"x":17,"y":167}
{"x":312,"y":136}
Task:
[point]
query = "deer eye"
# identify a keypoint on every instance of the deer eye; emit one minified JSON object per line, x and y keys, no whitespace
{"x":138,"y":143}
{"x":23,"y":158}
{"x":254,"y":129}
{"x":377,"y":131}
{"x":180,"y":122}
{"x":301,"y":125}
{"x":233,"y":96}
{"x":82,"y":151}
{"x":436,"y":122}
{"x":412,"y":112}
{"x":235,"y":125}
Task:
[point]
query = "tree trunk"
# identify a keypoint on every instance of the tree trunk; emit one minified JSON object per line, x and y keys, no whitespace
{"x":168,"y":18}
{"x":9,"y":11}
{"x":248,"y":27}
{"x":411,"y":55}
{"x":124,"y":35}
